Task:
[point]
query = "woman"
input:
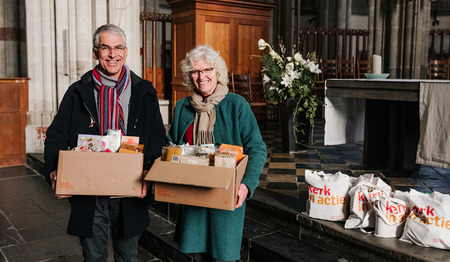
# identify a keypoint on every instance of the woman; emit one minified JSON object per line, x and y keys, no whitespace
{"x":213,"y":115}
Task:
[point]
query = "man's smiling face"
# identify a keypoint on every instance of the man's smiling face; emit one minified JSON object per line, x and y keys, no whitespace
{"x":111,"y":54}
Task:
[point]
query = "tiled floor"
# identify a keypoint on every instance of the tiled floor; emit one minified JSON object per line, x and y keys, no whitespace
{"x":284,"y":172}
{"x":33,"y":222}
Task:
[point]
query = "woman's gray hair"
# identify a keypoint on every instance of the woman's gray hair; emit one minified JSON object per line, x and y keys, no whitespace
{"x":110,"y":28}
{"x":211,"y":58}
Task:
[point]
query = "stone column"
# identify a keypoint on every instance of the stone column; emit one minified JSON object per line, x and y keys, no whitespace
{"x":126,"y":15}
{"x":422,"y":23}
{"x":341,"y":12}
{"x":41,"y":57}
{"x":287,"y":24}
{"x":392,"y":55}
{"x":59,"y":48}
{"x":9,"y":39}
{"x":396,"y":32}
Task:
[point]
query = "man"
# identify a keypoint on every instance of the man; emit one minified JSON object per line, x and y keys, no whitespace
{"x":108,"y":97}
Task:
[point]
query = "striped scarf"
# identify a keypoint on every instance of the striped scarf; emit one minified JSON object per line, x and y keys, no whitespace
{"x":109,"y":104}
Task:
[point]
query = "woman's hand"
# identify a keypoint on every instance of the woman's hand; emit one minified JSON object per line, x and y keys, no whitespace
{"x":242,"y":195}
{"x":53,"y":176}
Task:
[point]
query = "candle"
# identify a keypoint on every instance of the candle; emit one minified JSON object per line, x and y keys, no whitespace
{"x":376,"y":64}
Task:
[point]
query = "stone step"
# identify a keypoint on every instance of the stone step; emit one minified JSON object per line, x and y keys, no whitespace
{"x":260,"y":242}
{"x":276,"y":229}
{"x":287,"y":214}
{"x":35,"y":161}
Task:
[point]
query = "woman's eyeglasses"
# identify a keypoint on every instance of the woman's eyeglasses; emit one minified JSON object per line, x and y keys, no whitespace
{"x":206,"y":72}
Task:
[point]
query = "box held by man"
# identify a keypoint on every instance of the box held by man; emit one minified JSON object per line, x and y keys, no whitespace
{"x":99,"y":173}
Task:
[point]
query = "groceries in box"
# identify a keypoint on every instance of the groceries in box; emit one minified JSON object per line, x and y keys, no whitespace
{"x":86,"y":170}
{"x":112,"y":142}
{"x":223,"y":156}
{"x":195,"y":182}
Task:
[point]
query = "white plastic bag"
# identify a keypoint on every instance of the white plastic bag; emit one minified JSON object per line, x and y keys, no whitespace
{"x":428,"y":223}
{"x":391,"y":215}
{"x":361,"y":211}
{"x":327,"y":195}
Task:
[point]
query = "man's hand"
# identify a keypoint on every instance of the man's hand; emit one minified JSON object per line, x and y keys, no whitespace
{"x":53,"y":176}
{"x":145,"y":185}
{"x":242,"y":195}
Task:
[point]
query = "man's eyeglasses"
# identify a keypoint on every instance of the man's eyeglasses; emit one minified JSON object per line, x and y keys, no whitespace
{"x":206,"y":72}
{"x":104,"y":49}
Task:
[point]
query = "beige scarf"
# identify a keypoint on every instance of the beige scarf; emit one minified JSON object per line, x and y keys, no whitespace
{"x":205,"y":116}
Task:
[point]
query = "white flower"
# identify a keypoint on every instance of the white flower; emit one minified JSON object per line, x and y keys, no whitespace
{"x":289,"y":58}
{"x":298,"y":57}
{"x":273,"y":88}
{"x":290,"y":66}
{"x":313,"y":67}
{"x":287,"y":80}
{"x":275,"y":55}
{"x":294,"y":75}
{"x":262,"y":44}
{"x":266,"y":78}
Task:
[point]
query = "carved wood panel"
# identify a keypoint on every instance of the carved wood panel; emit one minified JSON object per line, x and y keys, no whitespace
{"x":13,"y":120}
{"x":232,"y":27}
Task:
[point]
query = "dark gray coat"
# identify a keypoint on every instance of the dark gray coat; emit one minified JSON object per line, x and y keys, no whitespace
{"x":74,"y":117}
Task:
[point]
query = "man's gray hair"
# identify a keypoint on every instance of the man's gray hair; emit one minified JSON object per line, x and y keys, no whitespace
{"x":110,"y":28}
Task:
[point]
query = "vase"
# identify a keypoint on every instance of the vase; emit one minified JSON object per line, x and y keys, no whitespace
{"x":287,"y":127}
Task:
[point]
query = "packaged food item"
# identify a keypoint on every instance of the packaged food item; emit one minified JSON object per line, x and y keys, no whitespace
{"x":202,"y":152}
{"x":210,"y":148}
{"x":225,"y":160}
{"x":164,"y":153}
{"x":126,"y":147}
{"x":130,"y":139}
{"x":194,"y":160}
{"x":94,"y":145}
{"x":189,"y":150}
{"x":115,"y":139}
{"x":86,"y":138}
{"x":173,"y":154}
{"x":232,"y":149}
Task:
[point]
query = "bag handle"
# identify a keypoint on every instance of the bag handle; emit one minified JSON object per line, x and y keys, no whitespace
{"x":371,"y":208}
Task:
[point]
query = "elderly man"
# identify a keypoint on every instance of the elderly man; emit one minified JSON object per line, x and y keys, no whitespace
{"x":108,"y":97}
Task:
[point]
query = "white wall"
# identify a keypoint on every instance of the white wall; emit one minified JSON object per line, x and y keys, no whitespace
{"x":59,"y":48}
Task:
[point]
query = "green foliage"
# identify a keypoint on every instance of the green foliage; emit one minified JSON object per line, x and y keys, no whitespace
{"x":290,"y":77}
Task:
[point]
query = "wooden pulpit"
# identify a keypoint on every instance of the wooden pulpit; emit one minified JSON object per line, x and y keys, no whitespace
{"x":230,"y":26}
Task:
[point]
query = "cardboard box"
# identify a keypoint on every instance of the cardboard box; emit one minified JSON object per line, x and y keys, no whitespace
{"x":99,"y":173}
{"x":204,"y":186}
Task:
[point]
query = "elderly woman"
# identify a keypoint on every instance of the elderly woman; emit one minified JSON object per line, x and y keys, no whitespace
{"x":213,"y":115}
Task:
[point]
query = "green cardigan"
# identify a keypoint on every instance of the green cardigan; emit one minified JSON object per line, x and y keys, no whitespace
{"x":213,"y":230}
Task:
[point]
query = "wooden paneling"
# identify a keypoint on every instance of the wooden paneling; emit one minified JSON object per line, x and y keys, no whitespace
{"x":13,"y":120}
{"x":182,"y":43}
{"x":217,"y":34}
{"x":248,"y":48}
{"x":232,"y":27}
{"x":178,"y":92}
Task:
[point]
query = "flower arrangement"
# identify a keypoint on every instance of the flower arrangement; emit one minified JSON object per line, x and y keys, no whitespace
{"x":286,"y":77}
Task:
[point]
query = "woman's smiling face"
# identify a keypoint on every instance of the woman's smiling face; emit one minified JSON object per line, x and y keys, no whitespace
{"x":204,"y":77}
